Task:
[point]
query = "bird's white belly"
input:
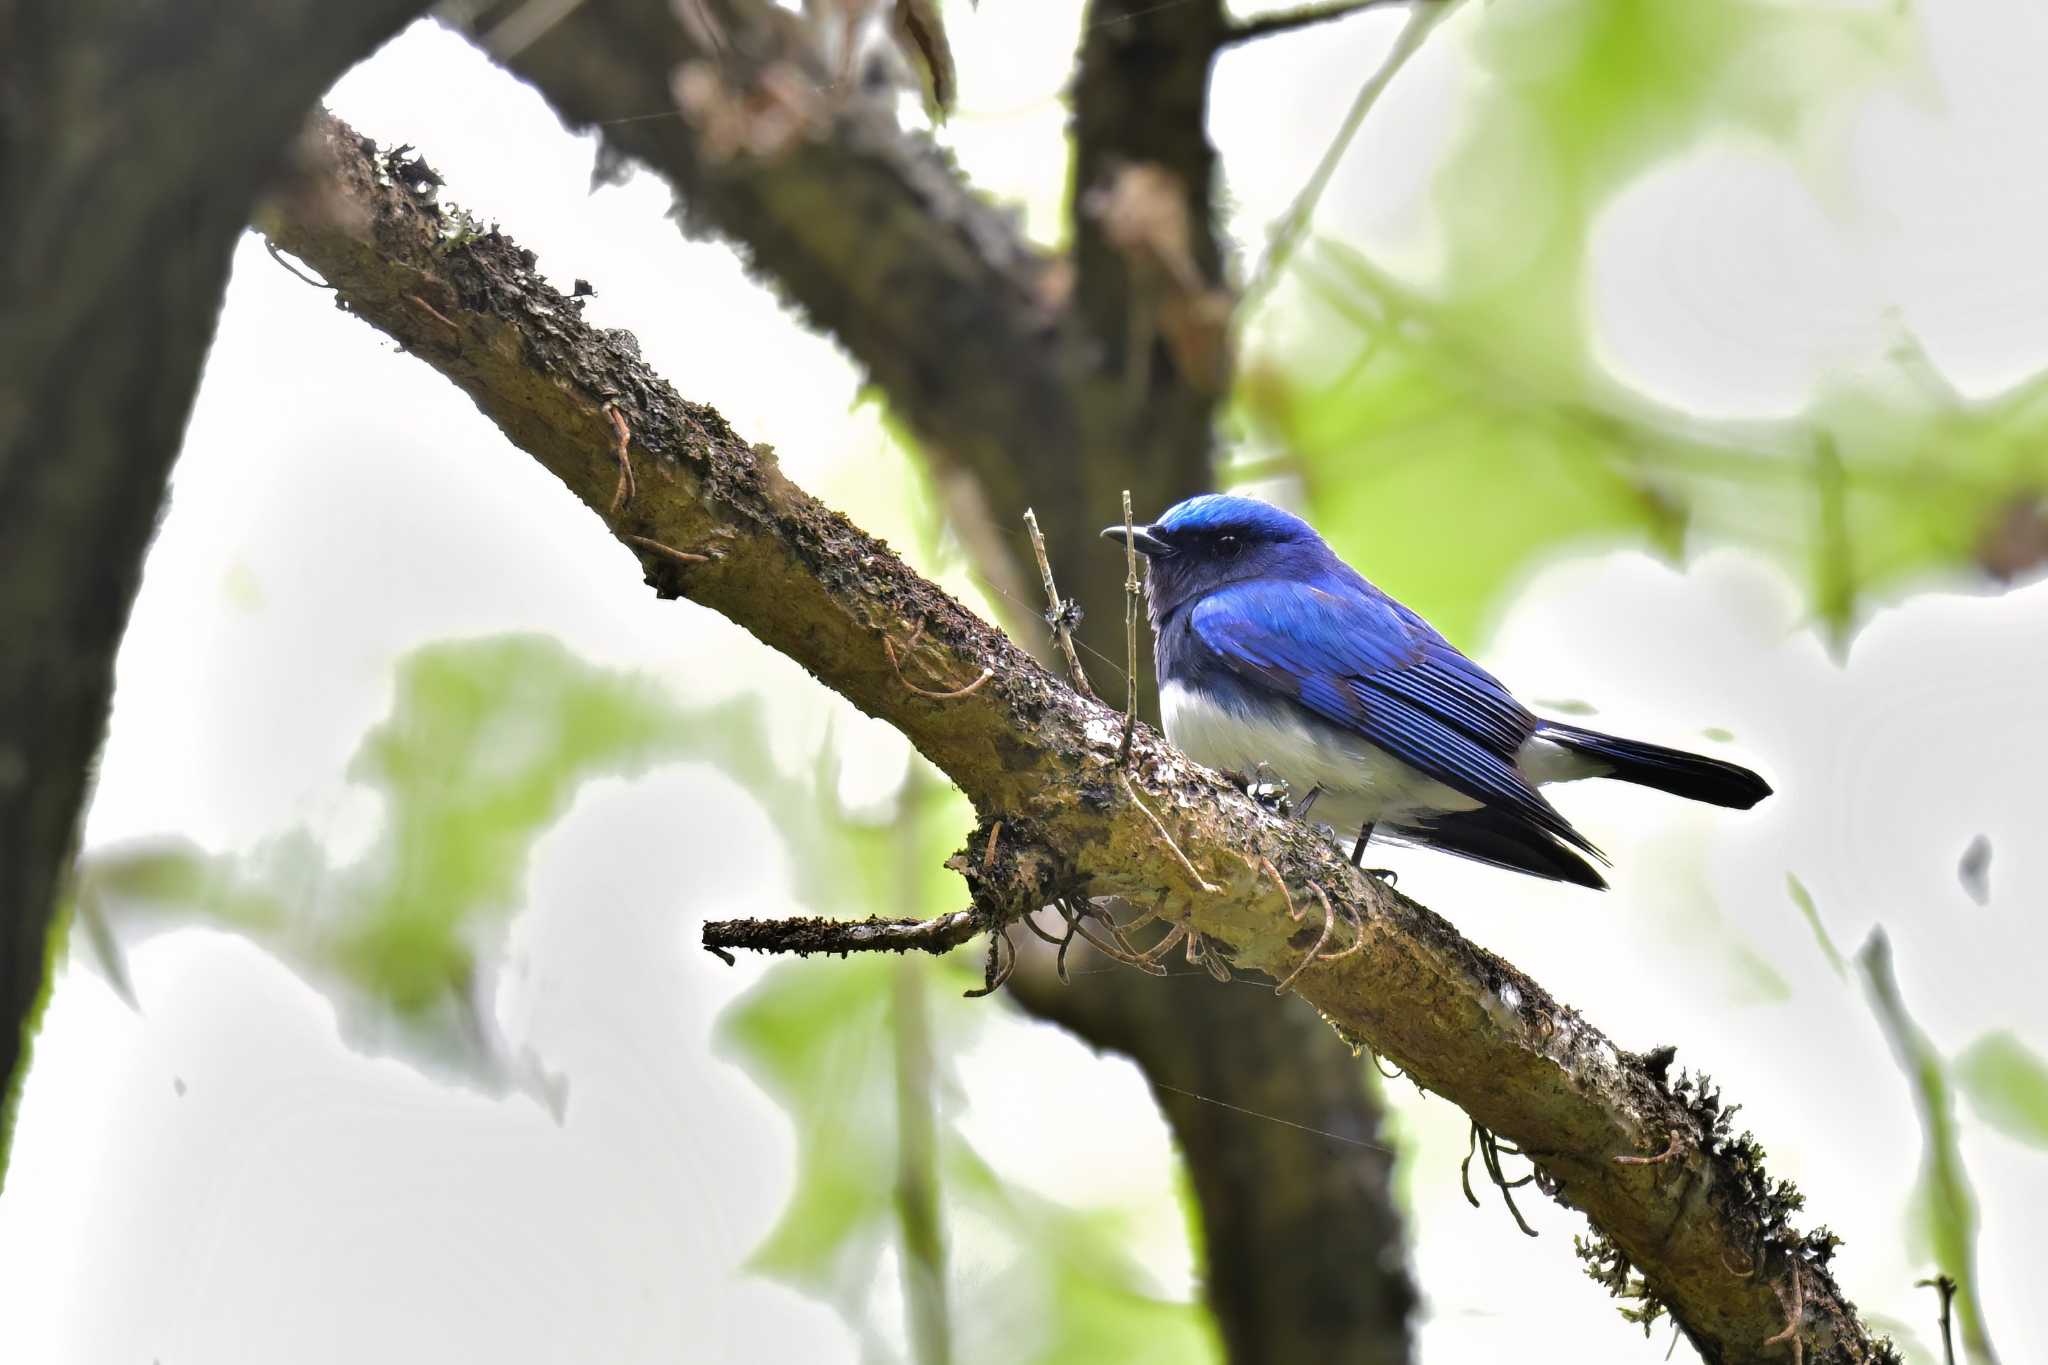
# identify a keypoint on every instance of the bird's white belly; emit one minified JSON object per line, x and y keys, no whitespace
{"x":1358,"y":780}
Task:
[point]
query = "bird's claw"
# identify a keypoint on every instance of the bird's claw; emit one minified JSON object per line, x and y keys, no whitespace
{"x":1267,"y":788}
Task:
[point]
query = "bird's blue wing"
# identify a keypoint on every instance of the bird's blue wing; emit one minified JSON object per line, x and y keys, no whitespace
{"x":1361,"y":661}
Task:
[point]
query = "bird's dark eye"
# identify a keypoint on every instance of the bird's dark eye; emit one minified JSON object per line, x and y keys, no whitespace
{"x":1228,"y":546}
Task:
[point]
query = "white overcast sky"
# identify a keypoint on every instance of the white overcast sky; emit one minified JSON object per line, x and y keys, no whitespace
{"x":217,"y":1180}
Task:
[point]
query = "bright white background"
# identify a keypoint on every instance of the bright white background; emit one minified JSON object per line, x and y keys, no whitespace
{"x":216,"y":1179}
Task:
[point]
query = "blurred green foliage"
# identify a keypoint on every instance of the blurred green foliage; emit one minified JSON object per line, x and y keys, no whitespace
{"x":822,"y":1037}
{"x":2007,"y":1084}
{"x":1810,"y":912}
{"x":1480,"y":390}
{"x":487,"y":744}
{"x":1943,"y":1218}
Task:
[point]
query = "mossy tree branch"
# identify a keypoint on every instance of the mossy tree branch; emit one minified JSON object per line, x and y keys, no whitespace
{"x":1706,"y":1232}
{"x":1009,"y":368}
{"x":1017,"y":371}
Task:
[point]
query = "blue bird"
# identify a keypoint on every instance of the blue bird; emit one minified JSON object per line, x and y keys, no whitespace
{"x":1274,"y":654}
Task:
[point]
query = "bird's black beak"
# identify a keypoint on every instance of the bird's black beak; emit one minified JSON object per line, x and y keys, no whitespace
{"x":1148,"y":543}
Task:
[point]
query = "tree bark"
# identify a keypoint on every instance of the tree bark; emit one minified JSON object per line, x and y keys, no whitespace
{"x":133,"y":138}
{"x":1673,"y":1195}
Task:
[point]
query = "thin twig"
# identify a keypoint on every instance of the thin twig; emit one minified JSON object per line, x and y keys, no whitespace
{"x":1144,"y":962}
{"x":1123,"y":752}
{"x":1118,"y":947}
{"x":1670,"y":1151}
{"x":1164,"y":946}
{"x":622,"y":436}
{"x":1030,"y":922}
{"x":1795,"y":1317}
{"x":1200,"y":881}
{"x":1265,"y":865}
{"x":1059,"y":614}
{"x":278,"y":256}
{"x":1287,"y":233}
{"x":1488,"y":1148}
{"x":986,"y":674}
{"x":1087,"y":909}
{"x":1200,"y":954}
{"x":909,"y":650}
{"x":1357,"y":934}
{"x":1329,"y":922}
{"x":1289,"y":21}
{"x":1059,"y":962}
{"x":682,"y":556}
{"x":1158,"y":911}
{"x":435,"y":313}
{"x":1946,"y":1287}
{"x":896,"y":662}
{"x":995,"y":971}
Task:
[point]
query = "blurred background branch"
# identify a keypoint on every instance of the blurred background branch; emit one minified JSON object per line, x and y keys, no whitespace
{"x":117,"y":252}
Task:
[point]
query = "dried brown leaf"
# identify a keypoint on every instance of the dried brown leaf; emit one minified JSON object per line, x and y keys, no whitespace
{"x":764,"y":121}
{"x":1143,"y":210}
{"x":920,"y":36}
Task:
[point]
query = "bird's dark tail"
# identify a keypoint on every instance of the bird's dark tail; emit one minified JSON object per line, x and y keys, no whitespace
{"x":1504,"y":839}
{"x":1692,"y":776}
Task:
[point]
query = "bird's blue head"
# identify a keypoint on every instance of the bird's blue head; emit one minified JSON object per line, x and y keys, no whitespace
{"x":1208,"y":541}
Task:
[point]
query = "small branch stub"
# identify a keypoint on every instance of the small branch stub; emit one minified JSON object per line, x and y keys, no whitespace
{"x":622,"y":436}
{"x":1946,"y":1287}
{"x":807,"y":934}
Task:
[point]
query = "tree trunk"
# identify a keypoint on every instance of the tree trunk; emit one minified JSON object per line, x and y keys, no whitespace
{"x":133,"y":138}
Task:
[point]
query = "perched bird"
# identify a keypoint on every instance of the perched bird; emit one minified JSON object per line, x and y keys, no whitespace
{"x":1274,"y":655}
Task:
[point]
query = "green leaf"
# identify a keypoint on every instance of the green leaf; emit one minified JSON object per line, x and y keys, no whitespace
{"x":2007,"y":1084}
{"x":815,"y":1035}
{"x":1803,"y":898}
{"x":487,"y":743}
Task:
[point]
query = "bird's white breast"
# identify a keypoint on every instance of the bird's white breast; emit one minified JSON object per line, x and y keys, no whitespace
{"x":1359,"y":781}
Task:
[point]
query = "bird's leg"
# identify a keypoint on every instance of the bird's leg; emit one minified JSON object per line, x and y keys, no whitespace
{"x":1385,"y":874}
